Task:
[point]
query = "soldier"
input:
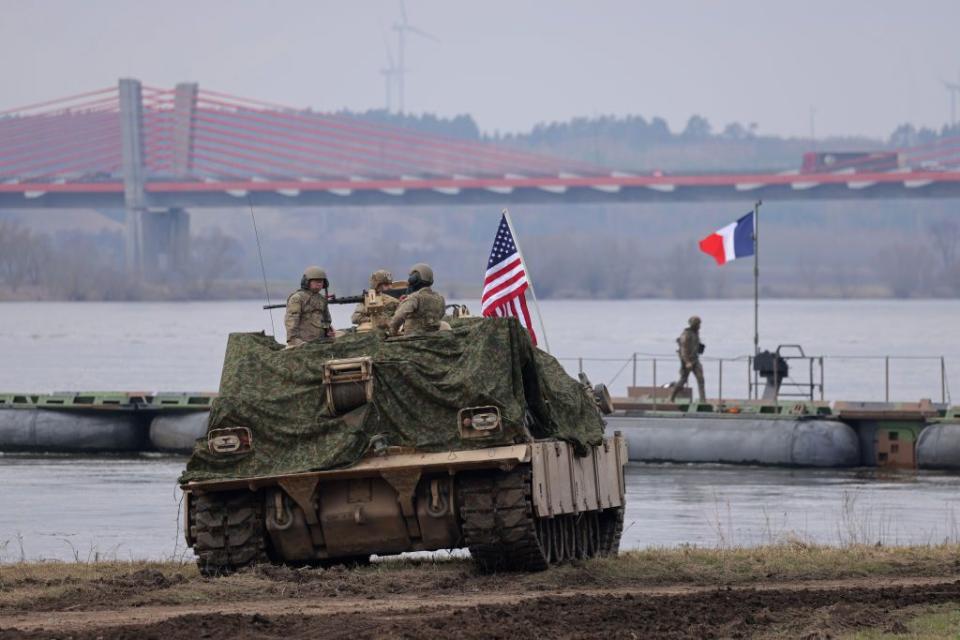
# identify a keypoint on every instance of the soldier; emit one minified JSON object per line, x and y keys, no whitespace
{"x":308,"y":317}
{"x":422,"y":310}
{"x":377,"y":315}
{"x":689,"y":351}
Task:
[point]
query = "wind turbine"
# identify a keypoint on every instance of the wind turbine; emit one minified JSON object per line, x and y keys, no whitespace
{"x":954,"y":89}
{"x":402,"y":28}
{"x":388,"y":73}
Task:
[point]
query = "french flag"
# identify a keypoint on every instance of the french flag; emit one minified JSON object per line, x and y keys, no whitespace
{"x":731,"y":242}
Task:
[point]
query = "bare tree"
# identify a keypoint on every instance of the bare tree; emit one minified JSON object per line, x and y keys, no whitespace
{"x":22,"y":255}
{"x":906,"y":269}
{"x":945,"y":237}
{"x":215,"y":256}
{"x":684,"y":272}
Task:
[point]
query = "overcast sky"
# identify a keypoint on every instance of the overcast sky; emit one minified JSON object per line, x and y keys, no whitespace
{"x":864,"y":66}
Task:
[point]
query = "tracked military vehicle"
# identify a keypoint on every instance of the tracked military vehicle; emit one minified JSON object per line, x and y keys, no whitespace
{"x":339,"y":449}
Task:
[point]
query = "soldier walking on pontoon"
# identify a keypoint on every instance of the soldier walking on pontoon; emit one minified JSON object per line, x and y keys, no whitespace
{"x":689,"y":350}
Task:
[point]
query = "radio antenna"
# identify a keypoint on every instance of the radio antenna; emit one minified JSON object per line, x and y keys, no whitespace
{"x":263,"y":269}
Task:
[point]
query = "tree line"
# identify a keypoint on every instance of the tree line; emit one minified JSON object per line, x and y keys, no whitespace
{"x":640,"y":143}
{"x":602,"y":265}
{"x":79,"y":265}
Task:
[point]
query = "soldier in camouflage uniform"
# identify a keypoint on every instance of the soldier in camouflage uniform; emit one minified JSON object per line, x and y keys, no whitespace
{"x":689,"y":351}
{"x":422,"y":310}
{"x":308,"y":317}
{"x":378,"y":316}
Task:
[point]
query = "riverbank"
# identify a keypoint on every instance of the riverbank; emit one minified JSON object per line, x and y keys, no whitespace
{"x":790,"y":590}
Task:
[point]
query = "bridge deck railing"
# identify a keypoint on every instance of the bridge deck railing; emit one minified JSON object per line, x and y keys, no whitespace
{"x":886,"y":377}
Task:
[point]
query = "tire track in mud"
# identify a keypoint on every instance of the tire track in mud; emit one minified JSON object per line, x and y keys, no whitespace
{"x":679,"y":611}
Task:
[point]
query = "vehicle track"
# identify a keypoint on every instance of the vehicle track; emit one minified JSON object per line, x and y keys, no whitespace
{"x":930,"y":589}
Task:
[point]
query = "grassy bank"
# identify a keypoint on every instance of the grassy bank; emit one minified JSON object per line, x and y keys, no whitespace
{"x":940,"y":622}
{"x":787,"y":591}
{"x":55,"y":585}
{"x":782,"y":562}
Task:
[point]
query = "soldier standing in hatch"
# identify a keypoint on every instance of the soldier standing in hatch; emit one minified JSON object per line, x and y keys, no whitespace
{"x":689,"y":351}
{"x":422,"y":310}
{"x":308,"y":317}
{"x":379,"y":316}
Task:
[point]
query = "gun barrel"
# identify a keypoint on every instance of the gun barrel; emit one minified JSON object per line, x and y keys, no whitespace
{"x":330,"y":300}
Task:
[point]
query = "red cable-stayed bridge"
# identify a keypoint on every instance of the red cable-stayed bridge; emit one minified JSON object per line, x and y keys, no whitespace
{"x":155,"y":152}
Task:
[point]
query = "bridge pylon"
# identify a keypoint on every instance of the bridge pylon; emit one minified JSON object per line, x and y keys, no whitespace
{"x":157,"y":240}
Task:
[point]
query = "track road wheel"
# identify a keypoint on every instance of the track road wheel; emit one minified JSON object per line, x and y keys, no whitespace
{"x":569,"y":524}
{"x":582,"y":528}
{"x":545,"y":537}
{"x":499,"y":525}
{"x":611,"y":528}
{"x":559,"y":540}
{"x":593,"y":522}
{"x":228,"y":531}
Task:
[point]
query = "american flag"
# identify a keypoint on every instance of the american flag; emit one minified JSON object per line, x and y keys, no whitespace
{"x":505,"y":285}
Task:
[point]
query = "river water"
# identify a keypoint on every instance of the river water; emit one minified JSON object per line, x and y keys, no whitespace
{"x":69,"y":507}
{"x":179,"y":346}
{"x":89,"y":508}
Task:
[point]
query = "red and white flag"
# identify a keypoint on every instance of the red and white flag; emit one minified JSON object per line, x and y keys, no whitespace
{"x":506,"y":283}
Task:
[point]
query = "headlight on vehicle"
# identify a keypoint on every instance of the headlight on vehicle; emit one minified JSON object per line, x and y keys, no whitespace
{"x":230,"y":440}
{"x":479,"y":422}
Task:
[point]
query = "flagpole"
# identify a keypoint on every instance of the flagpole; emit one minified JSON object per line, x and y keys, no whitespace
{"x":533,"y":294}
{"x":756,"y":277}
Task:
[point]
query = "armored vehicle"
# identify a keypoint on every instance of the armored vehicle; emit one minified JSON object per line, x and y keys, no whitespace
{"x":339,"y":449}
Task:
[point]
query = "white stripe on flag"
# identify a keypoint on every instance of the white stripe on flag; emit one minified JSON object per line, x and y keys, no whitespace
{"x":729,"y":253}
{"x":490,"y":284}
{"x":503,"y":263}
{"x":519,"y":285}
{"x":523,"y":315}
{"x":526,"y":317}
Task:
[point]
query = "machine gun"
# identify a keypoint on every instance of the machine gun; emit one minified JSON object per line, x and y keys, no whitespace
{"x":330,"y":300}
{"x":457,"y":311}
{"x":774,"y":368}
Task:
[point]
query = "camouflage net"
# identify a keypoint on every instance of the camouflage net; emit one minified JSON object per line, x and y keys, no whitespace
{"x":420,"y":383}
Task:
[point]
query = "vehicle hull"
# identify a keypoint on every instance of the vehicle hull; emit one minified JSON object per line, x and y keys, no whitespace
{"x":518,"y":507}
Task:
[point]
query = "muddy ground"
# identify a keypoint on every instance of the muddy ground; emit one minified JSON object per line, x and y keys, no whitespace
{"x":449,"y":600}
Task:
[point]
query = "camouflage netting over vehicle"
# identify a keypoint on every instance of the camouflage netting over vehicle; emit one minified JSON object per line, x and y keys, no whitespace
{"x":420,"y":383}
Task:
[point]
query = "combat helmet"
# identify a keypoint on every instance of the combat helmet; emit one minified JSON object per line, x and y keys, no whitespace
{"x":694,"y":322}
{"x":313,"y":273}
{"x":421,"y":275}
{"x":380,"y":276}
